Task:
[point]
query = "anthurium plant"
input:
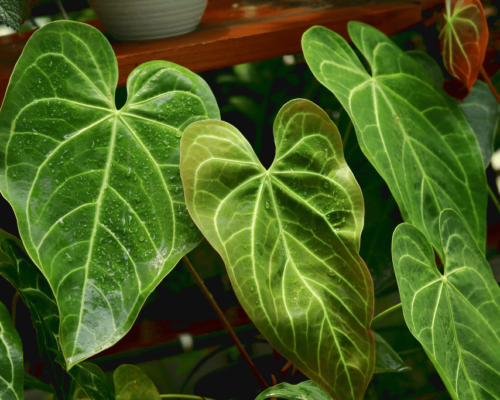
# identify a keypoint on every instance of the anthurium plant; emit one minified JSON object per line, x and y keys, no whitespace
{"x":108,"y":200}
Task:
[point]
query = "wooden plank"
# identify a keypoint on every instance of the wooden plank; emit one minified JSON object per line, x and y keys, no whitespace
{"x":234,"y":31}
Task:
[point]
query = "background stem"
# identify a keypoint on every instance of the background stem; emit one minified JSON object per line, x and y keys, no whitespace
{"x":488,"y":81}
{"x":14,"y":307}
{"x":493,"y":197}
{"x":224,"y":321}
{"x":62,"y":10}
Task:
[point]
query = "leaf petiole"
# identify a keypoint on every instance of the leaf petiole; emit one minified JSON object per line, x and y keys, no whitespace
{"x":386,"y":312}
{"x":490,"y":84}
{"x":493,"y":197}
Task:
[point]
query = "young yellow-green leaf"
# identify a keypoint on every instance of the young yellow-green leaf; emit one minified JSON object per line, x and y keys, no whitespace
{"x":412,"y":132}
{"x":290,"y":238}
{"x":131,"y":383}
{"x":11,"y":359}
{"x":35,"y":291}
{"x":453,"y":315}
{"x":97,"y":191}
{"x":307,"y":390}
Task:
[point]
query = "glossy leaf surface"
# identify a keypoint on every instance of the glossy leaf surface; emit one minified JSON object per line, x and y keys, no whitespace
{"x":412,"y":132}
{"x":11,"y":359}
{"x":480,"y":108}
{"x":463,"y":39}
{"x":35,"y":291}
{"x":307,"y":390}
{"x":453,"y":315}
{"x":290,"y":238}
{"x":97,"y":191}
{"x":131,"y":383}
{"x":387,"y":360}
{"x":92,"y":381}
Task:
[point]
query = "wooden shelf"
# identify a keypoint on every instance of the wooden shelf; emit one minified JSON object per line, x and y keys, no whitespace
{"x":234,"y":31}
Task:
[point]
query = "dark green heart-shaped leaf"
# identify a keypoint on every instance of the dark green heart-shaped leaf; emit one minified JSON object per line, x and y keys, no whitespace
{"x":91,"y":379}
{"x":307,"y":390}
{"x":18,"y":269}
{"x":289,"y":237}
{"x":14,"y":12}
{"x":34,"y":383}
{"x":35,"y":291}
{"x":131,"y":383}
{"x":387,"y":360}
{"x":96,"y":190}
{"x":11,"y":359}
{"x":411,"y":131}
{"x":454,"y":315}
{"x":480,"y":108}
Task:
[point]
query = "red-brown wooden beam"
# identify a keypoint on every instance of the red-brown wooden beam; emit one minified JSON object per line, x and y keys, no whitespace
{"x":234,"y":31}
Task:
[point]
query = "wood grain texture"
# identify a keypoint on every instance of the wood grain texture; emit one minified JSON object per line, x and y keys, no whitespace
{"x":233,"y":32}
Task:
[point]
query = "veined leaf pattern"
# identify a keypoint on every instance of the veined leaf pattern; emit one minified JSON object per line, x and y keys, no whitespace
{"x":97,"y":191}
{"x":19,"y":270}
{"x":132,"y":383}
{"x":290,"y":238}
{"x":463,"y":39}
{"x":454,"y":315}
{"x":412,"y":132}
{"x":11,"y":359}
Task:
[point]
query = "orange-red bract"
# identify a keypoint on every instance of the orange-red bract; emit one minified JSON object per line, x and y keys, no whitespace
{"x":463,"y":41}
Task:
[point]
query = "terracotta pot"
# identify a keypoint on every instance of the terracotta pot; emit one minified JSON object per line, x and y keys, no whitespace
{"x":149,"y":19}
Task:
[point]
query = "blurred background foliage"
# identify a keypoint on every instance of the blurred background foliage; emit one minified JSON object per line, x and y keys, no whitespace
{"x":185,"y":349}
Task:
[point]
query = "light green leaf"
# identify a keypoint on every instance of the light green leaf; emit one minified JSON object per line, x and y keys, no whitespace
{"x":453,"y":315}
{"x":480,"y":108}
{"x":387,"y":360}
{"x":411,"y":131}
{"x":11,"y":359}
{"x":35,"y":291}
{"x":307,"y":390}
{"x":96,"y":191}
{"x":289,"y":237}
{"x":131,"y":383}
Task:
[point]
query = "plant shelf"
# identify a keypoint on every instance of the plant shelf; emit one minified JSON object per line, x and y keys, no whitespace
{"x":235,"y":31}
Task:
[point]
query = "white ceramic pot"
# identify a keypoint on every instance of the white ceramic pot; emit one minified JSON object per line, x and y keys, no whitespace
{"x":149,"y":19}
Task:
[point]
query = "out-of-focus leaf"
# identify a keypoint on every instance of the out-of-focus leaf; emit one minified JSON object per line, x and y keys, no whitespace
{"x":290,"y":238}
{"x":411,"y":131}
{"x":96,"y":190}
{"x":386,"y":359}
{"x":34,"y":383}
{"x":14,"y":12}
{"x":35,"y":291}
{"x":131,"y":383}
{"x":463,"y":40}
{"x":453,"y":315}
{"x":11,"y":359}
{"x":307,"y":390}
{"x":480,"y":107}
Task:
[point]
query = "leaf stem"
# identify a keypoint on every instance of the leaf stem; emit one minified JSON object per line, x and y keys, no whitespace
{"x":14,"y":307}
{"x":183,"y":396}
{"x":62,"y":10}
{"x":224,"y":321}
{"x":386,"y":312}
{"x":488,"y":81}
{"x":493,"y":197}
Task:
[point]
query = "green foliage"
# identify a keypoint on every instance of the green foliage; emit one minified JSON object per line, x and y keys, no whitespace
{"x":35,"y":291}
{"x":454,"y":315}
{"x":307,"y":390}
{"x":290,"y":239}
{"x":14,"y":12}
{"x":96,"y":190}
{"x":387,"y":360}
{"x":412,"y":132}
{"x":11,"y":359}
{"x":131,"y":383}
